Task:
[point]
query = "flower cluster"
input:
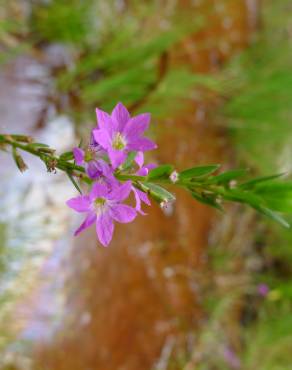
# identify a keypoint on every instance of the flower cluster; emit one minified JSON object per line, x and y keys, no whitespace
{"x":113,"y":166}
{"x":116,"y":144}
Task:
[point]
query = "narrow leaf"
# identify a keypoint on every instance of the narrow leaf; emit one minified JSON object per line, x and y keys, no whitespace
{"x":274,"y":188}
{"x":22,"y":138}
{"x":67,"y":156}
{"x":38,"y":145}
{"x":46,"y":150}
{"x":250,"y":184}
{"x":160,"y":172}
{"x":158,"y":193}
{"x":198,"y":171}
{"x":74,"y":182}
{"x":210,"y":201}
{"x":18,"y":160}
{"x":237,"y":195}
{"x":129,"y":161}
{"x":227,"y":176}
{"x":272,"y":215}
{"x":257,"y":203}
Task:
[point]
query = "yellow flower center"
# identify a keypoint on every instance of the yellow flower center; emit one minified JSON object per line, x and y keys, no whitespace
{"x":99,"y":205}
{"x":119,"y":142}
{"x":89,"y":155}
{"x":100,"y":201}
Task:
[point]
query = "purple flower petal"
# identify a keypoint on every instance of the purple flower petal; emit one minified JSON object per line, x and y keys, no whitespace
{"x":140,"y":196}
{"x":93,"y":170}
{"x":98,"y":190}
{"x":104,"y":121}
{"x":121,"y":193}
{"x":138,"y":201}
{"x":92,"y":142}
{"x":139,"y":159}
{"x":104,"y":228}
{"x":141,"y":144}
{"x":263,"y":289}
{"x":143,"y":196}
{"x":120,"y":116}
{"x":123,"y":213}
{"x":105,"y":168}
{"x":102,"y":137}
{"x":150,"y":166}
{"x":137,"y":125}
{"x":78,"y":156}
{"x":117,"y":157}
{"x":143,"y":171}
{"x":91,"y":217}
{"x":79,"y":204}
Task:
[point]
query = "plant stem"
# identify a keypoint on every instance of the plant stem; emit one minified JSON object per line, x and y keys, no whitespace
{"x":45,"y":154}
{"x":53,"y":162}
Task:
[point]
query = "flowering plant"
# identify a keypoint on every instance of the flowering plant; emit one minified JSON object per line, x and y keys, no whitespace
{"x":112,"y":167}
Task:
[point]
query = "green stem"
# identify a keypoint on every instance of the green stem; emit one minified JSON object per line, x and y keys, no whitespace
{"x":45,"y":154}
{"x":53,"y":162}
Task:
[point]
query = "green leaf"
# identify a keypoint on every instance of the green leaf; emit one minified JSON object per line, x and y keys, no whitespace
{"x":255,"y":202}
{"x":280,"y":204}
{"x":227,"y":176}
{"x":22,"y":138}
{"x":272,"y":215}
{"x":250,"y":184}
{"x":67,"y":156}
{"x":246,"y":197}
{"x":157,"y":192}
{"x":160,"y":172}
{"x":129,"y":161}
{"x":19,"y":160}
{"x":46,"y":150}
{"x":74,"y":182}
{"x":208,"y":200}
{"x":38,"y":145}
{"x":276,"y":188}
{"x":198,"y":171}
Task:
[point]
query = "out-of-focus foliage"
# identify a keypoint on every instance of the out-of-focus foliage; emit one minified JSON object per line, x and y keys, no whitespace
{"x":117,"y":52}
{"x":110,"y":51}
{"x":260,"y":112}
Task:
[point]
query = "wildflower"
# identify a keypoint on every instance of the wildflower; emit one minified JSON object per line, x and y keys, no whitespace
{"x":119,"y":134}
{"x":174,"y":177}
{"x":167,"y":207}
{"x":96,"y":168}
{"x":103,"y":206}
{"x":140,"y":196}
{"x":263,"y":289}
{"x":139,"y":159}
{"x":231,"y":358}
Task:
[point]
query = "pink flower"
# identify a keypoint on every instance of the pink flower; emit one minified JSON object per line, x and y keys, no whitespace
{"x":103,"y":206}
{"x":120,"y":134}
{"x":263,"y":289}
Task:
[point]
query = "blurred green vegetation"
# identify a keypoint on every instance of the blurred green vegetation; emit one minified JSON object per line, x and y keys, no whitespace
{"x":260,"y":112}
{"x":258,"y":84}
{"x":109,"y":52}
{"x":115,"y":53}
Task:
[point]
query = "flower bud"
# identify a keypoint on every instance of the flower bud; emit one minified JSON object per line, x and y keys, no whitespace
{"x":174,"y":177}
{"x":167,"y":207}
{"x":19,"y":161}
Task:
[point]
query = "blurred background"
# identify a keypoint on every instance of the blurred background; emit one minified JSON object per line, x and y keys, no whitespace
{"x":188,"y":289}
